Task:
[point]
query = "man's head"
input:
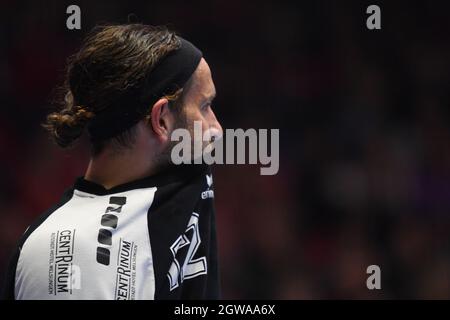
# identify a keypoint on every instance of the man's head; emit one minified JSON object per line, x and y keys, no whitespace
{"x":110,"y":73}
{"x":193,"y":105}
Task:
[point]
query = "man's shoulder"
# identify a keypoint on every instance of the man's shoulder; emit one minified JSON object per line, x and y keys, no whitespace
{"x":66,"y":196}
{"x":9,"y":284}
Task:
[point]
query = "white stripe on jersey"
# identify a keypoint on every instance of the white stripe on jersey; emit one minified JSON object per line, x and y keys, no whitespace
{"x":93,"y":247}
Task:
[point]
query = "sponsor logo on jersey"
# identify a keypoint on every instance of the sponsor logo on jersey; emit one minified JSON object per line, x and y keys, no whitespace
{"x":63,"y":274}
{"x":208,"y":193}
{"x":126,"y":271}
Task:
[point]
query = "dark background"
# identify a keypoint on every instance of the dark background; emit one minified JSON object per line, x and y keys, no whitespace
{"x":364,"y":132}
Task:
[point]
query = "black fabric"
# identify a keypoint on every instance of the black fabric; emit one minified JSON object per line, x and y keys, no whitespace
{"x":9,"y":284}
{"x":168,"y":218}
{"x":170,"y":74}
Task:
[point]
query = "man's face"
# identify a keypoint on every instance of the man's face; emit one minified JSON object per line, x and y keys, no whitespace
{"x":197,"y":107}
{"x":197,"y":103}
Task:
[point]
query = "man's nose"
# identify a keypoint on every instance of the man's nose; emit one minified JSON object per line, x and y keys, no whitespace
{"x":215,"y":124}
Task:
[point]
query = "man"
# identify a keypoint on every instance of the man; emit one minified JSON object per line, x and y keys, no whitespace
{"x":135,"y":226}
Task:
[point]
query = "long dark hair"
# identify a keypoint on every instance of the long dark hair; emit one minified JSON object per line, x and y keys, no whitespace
{"x":112,"y":60}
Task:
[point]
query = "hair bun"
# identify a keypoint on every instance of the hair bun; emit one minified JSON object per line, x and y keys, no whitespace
{"x":68,"y":124}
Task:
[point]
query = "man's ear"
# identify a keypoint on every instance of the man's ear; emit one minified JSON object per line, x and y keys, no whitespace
{"x":161,"y":119}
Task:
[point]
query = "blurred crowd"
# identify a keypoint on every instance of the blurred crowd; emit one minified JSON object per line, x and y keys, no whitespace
{"x":364,"y":123}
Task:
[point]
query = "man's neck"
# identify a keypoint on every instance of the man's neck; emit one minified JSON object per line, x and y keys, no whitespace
{"x":112,"y":170}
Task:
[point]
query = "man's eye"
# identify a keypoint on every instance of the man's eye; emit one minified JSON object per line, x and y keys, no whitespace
{"x":206,"y":106}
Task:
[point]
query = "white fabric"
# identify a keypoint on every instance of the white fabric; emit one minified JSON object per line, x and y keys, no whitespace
{"x":74,"y":272}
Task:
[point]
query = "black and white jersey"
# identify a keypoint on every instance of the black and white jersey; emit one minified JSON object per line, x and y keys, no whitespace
{"x":153,"y":238}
